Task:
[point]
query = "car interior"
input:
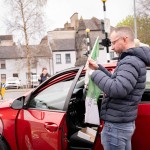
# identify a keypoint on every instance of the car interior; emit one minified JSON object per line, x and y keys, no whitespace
{"x":75,"y":120}
{"x":146,"y":95}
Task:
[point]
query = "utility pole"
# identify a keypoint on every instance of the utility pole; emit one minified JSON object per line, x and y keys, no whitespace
{"x":106,"y":42}
{"x":135,"y":26}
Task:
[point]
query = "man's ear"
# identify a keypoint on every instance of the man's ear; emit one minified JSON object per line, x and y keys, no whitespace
{"x":125,"y":39}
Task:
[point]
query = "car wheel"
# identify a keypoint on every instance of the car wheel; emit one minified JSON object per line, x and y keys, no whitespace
{"x":3,"y":145}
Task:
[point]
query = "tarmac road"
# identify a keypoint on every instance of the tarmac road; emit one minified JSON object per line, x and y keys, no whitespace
{"x":14,"y":93}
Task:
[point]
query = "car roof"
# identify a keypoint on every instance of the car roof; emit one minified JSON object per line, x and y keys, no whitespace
{"x":111,"y":64}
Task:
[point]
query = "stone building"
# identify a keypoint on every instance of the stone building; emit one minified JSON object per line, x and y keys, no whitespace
{"x":73,"y":38}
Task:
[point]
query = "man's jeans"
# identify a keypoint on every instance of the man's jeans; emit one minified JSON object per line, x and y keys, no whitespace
{"x":117,"y":136}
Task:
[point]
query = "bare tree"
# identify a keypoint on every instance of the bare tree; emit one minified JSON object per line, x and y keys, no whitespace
{"x":27,"y":23}
{"x":143,"y":7}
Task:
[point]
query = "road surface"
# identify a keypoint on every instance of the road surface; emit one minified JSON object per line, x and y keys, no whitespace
{"x":14,"y":93}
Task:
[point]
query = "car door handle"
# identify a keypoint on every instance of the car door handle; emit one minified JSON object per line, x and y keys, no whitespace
{"x":52,"y":127}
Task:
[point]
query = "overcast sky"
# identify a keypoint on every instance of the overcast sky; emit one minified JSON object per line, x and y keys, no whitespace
{"x":59,"y":12}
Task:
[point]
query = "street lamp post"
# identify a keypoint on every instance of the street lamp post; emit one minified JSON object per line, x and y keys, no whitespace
{"x":135,"y":26}
{"x":88,"y":41}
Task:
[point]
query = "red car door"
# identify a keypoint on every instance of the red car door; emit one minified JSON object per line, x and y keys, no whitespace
{"x":37,"y":129}
{"x":42,"y":123}
{"x":141,"y":137}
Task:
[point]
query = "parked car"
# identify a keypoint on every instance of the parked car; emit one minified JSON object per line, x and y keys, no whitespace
{"x":51,"y":117}
{"x":13,"y":82}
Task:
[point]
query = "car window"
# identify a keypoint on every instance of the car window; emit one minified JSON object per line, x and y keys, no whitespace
{"x":146,"y":94}
{"x":148,"y":79}
{"x":52,"y":97}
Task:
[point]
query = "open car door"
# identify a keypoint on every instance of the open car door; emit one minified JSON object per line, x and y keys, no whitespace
{"x":41,"y":124}
{"x":81,"y":135}
{"x":143,"y":120}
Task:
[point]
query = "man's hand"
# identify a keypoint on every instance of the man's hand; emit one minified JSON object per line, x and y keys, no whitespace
{"x":92,"y":64}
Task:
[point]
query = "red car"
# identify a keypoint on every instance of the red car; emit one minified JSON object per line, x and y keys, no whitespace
{"x":52,"y":117}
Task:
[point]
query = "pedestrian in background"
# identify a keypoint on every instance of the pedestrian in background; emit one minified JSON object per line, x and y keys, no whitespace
{"x":44,"y":75}
{"x":123,"y":89}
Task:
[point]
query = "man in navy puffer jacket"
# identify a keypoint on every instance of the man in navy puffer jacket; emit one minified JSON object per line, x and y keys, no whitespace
{"x":123,"y":89}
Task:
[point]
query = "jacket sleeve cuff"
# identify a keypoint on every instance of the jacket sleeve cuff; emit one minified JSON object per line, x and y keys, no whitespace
{"x":100,"y":67}
{"x":90,"y":72}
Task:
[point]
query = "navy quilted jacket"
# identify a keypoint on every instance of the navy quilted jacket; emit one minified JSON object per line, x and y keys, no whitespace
{"x":124,"y":88}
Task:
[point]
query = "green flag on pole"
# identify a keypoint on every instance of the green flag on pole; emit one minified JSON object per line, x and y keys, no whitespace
{"x":93,"y":92}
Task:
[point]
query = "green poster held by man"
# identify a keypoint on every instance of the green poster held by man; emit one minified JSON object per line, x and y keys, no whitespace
{"x":93,"y":92}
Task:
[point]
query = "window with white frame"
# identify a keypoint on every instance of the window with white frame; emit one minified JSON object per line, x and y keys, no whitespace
{"x":3,"y":77}
{"x":68,"y":58}
{"x":58,"y":58}
{"x":2,"y":64}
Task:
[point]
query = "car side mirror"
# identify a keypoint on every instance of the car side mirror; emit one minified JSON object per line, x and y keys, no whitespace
{"x":18,"y":103}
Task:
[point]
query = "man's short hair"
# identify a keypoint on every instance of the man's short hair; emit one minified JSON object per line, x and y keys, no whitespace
{"x":124,"y":31}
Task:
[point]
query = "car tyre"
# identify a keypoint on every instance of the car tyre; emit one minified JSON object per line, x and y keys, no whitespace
{"x":3,"y":145}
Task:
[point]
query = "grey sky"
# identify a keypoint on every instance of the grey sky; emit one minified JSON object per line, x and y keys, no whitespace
{"x":59,"y":12}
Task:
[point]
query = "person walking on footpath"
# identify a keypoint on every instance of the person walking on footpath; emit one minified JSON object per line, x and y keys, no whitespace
{"x":44,"y":75}
{"x":123,"y":89}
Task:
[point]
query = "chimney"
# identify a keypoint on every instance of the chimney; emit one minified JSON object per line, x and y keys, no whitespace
{"x":74,"y":21}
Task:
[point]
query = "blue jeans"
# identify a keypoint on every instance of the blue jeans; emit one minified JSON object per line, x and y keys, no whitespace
{"x":117,"y":136}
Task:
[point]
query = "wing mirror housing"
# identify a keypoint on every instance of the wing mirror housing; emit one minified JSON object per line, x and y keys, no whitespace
{"x":18,"y":103}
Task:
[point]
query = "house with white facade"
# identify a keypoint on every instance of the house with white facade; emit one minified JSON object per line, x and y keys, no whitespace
{"x":13,"y":62}
{"x":62,"y":46}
